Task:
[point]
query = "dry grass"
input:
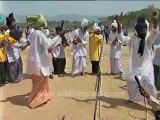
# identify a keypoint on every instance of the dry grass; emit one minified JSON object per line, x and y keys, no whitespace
{"x":74,"y":97}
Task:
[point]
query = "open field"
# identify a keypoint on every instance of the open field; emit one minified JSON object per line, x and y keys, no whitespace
{"x":74,"y":97}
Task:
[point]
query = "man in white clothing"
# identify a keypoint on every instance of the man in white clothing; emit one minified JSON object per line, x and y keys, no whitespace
{"x":80,"y":40}
{"x":58,"y":55}
{"x":38,"y":61}
{"x":115,"y":50}
{"x":141,"y":57}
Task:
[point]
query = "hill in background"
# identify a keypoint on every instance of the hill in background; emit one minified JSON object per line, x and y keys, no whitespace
{"x":71,"y":20}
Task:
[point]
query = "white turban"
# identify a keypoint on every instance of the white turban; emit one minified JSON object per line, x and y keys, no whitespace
{"x":84,"y":23}
{"x":114,"y":24}
{"x":96,"y":27}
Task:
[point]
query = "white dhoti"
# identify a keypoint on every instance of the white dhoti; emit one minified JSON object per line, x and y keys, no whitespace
{"x":116,"y":66}
{"x":146,"y":81}
{"x":78,"y":64}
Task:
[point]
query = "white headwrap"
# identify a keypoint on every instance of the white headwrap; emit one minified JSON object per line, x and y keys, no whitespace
{"x":114,"y":24}
{"x":96,"y":27}
{"x":84,"y":23}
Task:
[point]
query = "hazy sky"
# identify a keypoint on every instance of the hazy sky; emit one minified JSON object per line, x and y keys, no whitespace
{"x":0,"y":7}
{"x":52,"y":8}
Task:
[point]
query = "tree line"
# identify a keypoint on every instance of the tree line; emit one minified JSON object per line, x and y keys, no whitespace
{"x":129,"y":19}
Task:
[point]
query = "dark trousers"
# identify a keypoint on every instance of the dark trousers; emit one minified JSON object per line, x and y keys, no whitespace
{"x":95,"y":67}
{"x":3,"y":72}
{"x":15,"y":71}
{"x":157,"y":76}
{"x":59,"y":65}
{"x":157,"y":115}
{"x":107,"y":37}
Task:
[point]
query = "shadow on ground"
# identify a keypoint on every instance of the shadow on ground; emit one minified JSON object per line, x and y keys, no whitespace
{"x":114,"y":103}
{"x":20,"y":100}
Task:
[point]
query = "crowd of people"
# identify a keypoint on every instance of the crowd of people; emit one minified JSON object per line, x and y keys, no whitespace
{"x":144,"y":60}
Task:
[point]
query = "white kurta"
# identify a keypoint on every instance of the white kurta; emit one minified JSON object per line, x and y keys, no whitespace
{"x":80,"y":49}
{"x":80,"y":52}
{"x":116,"y":49}
{"x":30,"y":34}
{"x":140,"y":66}
{"x":13,"y":53}
{"x":58,"y":51}
{"x":115,"y":54}
{"x":38,"y":59}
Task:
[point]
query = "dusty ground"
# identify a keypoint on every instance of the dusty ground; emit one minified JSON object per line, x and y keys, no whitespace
{"x":74,"y":97}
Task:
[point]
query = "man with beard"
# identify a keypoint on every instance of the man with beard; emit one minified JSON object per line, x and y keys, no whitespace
{"x":141,"y":57}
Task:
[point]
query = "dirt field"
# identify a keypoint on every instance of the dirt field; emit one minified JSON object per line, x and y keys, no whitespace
{"x":74,"y":98}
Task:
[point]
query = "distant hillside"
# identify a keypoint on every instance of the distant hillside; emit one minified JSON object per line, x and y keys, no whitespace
{"x":67,"y":17}
{"x":130,"y":18}
{"x":74,"y":17}
{"x":72,"y":20}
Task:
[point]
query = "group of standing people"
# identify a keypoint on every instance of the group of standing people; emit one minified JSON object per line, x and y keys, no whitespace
{"x":11,"y":41}
{"x":144,"y":52}
{"x":43,"y":43}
